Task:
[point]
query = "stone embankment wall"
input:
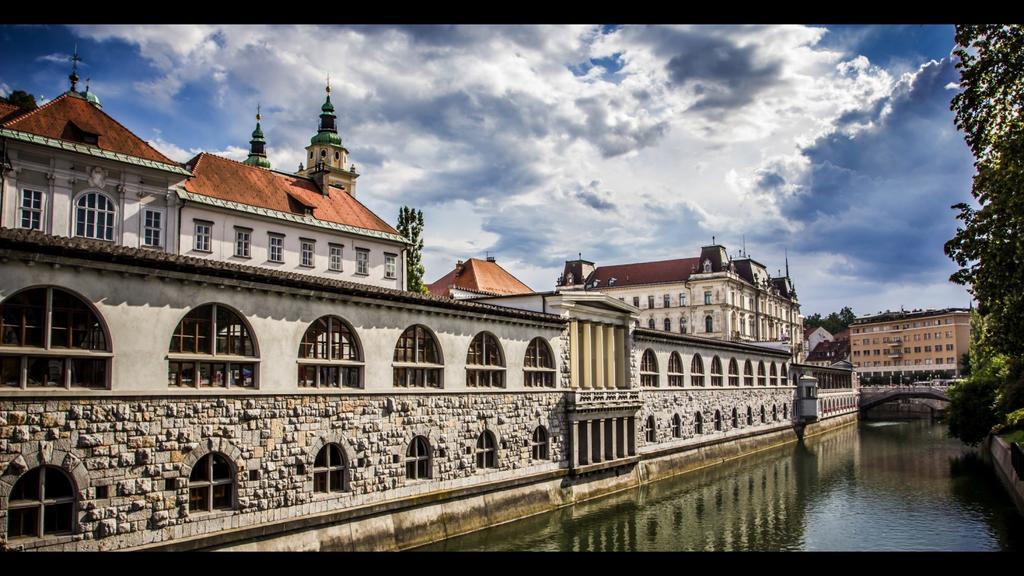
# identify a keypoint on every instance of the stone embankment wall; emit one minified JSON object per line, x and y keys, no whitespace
{"x":999,"y":450}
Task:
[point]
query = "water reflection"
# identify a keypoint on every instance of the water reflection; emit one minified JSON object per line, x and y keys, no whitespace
{"x":873,"y":487}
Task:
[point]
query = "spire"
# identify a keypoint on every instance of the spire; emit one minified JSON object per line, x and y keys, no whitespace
{"x":257,"y":146}
{"x":327,"y":132}
{"x":74,"y":69}
{"x":787,"y":262}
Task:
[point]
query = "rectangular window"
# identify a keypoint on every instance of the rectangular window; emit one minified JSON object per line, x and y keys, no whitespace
{"x":152,"y":225}
{"x":32,"y":209}
{"x":650,"y":301}
{"x":707,"y":297}
{"x":927,"y":348}
{"x":335,"y":261}
{"x":949,"y":347}
{"x":362,"y":261}
{"x":949,"y":360}
{"x":666,"y":299}
{"x":307,"y":249}
{"x":390,"y":269}
{"x":276,"y":253}
{"x":243,"y":242}
{"x":204,"y":236}
{"x":636,"y":301}
{"x":682,"y":299}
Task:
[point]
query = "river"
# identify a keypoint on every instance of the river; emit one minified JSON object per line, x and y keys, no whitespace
{"x":874,"y":486}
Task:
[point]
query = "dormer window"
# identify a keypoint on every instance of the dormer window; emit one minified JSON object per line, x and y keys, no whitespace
{"x":707,"y":266}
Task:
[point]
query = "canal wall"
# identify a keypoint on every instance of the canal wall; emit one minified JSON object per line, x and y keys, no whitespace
{"x":999,"y":452}
{"x":414,"y":522}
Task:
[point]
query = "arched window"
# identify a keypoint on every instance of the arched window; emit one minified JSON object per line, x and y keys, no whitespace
{"x":735,"y":421}
{"x":698,"y":423}
{"x":748,"y":373}
{"x":668,"y":324}
{"x":716,"y":371}
{"x":539,"y":364}
{"x":649,"y":369}
{"x":785,"y":412}
{"x":485,"y":365}
{"x":696,"y":371}
{"x":734,"y":372}
{"x":539,"y":444}
{"x":675,"y":369}
{"x":329,"y":470}
{"x":486,"y":450}
{"x":652,"y":430}
{"x":329,"y":355}
{"x":211,"y":484}
{"x":773,"y":375}
{"x":417,"y":360}
{"x":763,"y":418}
{"x":42,"y":503}
{"x":708,"y":324}
{"x":750,"y":416}
{"x":49,"y":338}
{"x":417,"y":459}
{"x":94,"y":216}
{"x":209,"y":348}
{"x":775,"y":413}
{"x":677,"y":426}
{"x":784,"y":374}
{"x":718,"y":421}
{"x":650,"y":323}
{"x":761,"y":381}
{"x":682,"y":325}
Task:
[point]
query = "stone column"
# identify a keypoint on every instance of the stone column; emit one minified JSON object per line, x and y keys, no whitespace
{"x":586,"y":353}
{"x":598,"y":357}
{"x":615,"y":438}
{"x":609,"y":357}
{"x":574,"y":448}
{"x":631,"y":436}
{"x":599,"y":440}
{"x":621,"y":358}
{"x":584,"y":445}
{"x":574,"y":354}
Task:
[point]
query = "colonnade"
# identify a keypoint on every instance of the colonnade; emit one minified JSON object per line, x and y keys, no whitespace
{"x":598,"y":353}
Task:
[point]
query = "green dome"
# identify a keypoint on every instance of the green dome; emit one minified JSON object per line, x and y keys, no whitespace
{"x":260,"y":161}
{"x":328,"y":107}
{"x":257,"y":134}
{"x":325,"y":137}
{"x":90,"y":97}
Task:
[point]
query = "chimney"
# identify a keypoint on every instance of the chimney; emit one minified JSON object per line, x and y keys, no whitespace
{"x":459,"y":268}
{"x":490,"y":258}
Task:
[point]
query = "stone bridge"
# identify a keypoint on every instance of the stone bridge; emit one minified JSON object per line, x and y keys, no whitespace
{"x":871,"y":396}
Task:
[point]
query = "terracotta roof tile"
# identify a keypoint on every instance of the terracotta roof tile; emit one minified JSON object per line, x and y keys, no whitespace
{"x":645,"y":272}
{"x":8,"y":111}
{"x":831,"y":350}
{"x":66,"y":117}
{"x":226,"y":179}
{"x":480,"y":276}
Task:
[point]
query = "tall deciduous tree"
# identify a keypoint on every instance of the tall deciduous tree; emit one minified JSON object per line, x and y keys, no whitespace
{"x":989,"y":248}
{"x":410,"y":225}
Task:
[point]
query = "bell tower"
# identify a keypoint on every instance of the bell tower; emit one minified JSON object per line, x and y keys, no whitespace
{"x":257,"y":146}
{"x":326,"y":157}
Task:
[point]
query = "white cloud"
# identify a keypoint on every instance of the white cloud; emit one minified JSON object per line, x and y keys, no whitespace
{"x":489,"y":131}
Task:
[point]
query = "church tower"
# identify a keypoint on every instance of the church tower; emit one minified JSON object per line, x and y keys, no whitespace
{"x":326,"y":157}
{"x":258,"y":146}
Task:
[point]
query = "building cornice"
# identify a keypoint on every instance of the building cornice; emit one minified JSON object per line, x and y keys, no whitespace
{"x":277,"y":215}
{"x":91,"y":151}
{"x":672,"y":338}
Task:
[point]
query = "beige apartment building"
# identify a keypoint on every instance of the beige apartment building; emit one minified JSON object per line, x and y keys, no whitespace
{"x":712,"y":295}
{"x":907,"y":346}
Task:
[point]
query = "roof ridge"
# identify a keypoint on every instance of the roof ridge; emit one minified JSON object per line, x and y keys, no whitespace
{"x":37,"y":109}
{"x":146,"y":142}
{"x":240,"y":163}
{"x":651,"y":262}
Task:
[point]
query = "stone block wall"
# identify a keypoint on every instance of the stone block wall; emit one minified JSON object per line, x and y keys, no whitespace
{"x":663,"y":404}
{"x":141,"y":451}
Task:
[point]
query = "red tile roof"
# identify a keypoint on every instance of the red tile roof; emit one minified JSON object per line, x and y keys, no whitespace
{"x":226,"y":179}
{"x":8,"y":110}
{"x":645,"y":272}
{"x":67,"y":116}
{"x":481,"y":276}
{"x":832,"y":351}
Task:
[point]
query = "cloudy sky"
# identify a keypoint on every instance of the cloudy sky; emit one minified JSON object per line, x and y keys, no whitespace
{"x":628,"y":144}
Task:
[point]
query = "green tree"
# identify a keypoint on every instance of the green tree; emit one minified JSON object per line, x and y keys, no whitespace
{"x":989,"y":248}
{"x":834,"y":322}
{"x":21,"y":99}
{"x":410,"y":225}
{"x":975,"y":402}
